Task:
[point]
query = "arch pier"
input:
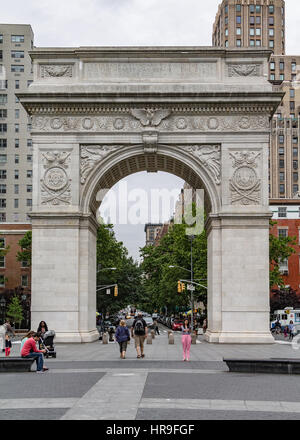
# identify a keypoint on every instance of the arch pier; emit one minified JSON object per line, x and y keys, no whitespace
{"x":100,"y":114}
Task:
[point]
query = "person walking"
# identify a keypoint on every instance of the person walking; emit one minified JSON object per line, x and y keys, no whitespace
{"x":186,"y":339}
{"x":122,"y":337}
{"x":5,"y":328}
{"x":155,"y":323}
{"x":29,"y":350}
{"x":292,"y":330}
{"x":7,"y":345}
{"x":139,"y":331}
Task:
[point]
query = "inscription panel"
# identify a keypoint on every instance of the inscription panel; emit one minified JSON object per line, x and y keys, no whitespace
{"x":152,"y":71}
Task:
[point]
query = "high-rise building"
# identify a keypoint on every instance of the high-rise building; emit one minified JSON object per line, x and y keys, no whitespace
{"x":261,"y":24}
{"x":151,"y":230}
{"x":16,"y":75}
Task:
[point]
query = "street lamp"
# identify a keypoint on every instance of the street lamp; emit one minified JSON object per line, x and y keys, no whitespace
{"x":2,"y":305}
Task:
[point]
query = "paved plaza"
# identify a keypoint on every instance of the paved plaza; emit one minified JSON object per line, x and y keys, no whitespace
{"x":91,"y":382}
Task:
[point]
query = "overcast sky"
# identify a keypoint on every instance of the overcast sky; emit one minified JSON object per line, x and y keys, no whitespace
{"x":125,"y":23}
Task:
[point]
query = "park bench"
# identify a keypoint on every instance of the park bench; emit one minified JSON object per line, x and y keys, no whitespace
{"x":270,"y":366}
{"x":15,"y":365}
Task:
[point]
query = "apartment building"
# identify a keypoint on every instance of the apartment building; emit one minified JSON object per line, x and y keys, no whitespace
{"x":15,"y":126}
{"x":151,"y":230}
{"x":261,"y":24}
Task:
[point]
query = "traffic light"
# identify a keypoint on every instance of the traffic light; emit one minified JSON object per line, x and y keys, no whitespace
{"x":182,"y":286}
{"x":179,"y":287}
{"x":116,"y":291}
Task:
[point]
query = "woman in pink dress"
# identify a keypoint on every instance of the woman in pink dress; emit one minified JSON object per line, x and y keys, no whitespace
{"x":186,"y":339}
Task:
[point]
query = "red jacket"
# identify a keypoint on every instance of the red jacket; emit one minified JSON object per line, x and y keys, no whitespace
{"x":29,"y":347}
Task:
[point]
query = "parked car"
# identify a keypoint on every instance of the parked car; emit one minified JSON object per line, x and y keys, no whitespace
{"x":176,"y":325}
{"x":149,"y":322}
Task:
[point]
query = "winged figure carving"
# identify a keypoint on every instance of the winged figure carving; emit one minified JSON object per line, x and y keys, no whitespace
{"x":150,"y":117}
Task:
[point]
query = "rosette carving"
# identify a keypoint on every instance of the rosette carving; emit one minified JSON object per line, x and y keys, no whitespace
{"x":56,"y":184}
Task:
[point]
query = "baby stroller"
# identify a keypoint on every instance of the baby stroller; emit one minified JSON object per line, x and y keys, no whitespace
{"x":47,"y":343}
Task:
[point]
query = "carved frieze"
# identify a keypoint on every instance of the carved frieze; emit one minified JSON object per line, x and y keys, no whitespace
{"x":130,"y":123}
{"x":91,"y":155}
{"x":150,"y":117}
{"x":242,"y":70}
{"x":56,"y":71}
{"x":210,"y":158}
{"x":245,"y":184}
{"x":56,"y":184}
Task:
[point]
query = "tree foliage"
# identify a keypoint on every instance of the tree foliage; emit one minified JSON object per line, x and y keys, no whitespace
{"x":25,"y":244}
{"x":280,"y":249}
{"x":284,"y":298}
{"x":160,"y":280}
{"x":15,"y":310}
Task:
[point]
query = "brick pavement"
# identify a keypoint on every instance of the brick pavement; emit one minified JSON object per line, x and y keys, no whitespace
{"x":90,"y":381}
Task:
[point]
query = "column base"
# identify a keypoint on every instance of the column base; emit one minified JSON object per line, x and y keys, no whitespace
{"x":239,"y":337}
{"x":77,"y":337}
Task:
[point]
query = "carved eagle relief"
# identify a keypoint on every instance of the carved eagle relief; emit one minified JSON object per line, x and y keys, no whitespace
{"x":150,"y":117}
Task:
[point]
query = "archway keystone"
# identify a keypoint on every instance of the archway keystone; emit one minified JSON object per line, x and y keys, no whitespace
{"x":100,"y":114}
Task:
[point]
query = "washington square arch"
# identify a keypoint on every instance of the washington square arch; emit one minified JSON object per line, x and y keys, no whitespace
{"x":100,"y":114}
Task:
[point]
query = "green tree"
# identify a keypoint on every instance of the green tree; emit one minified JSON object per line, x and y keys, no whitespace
{"x":25,"y":254}
{"x":15,"y":310}
{"x":280,"y":249}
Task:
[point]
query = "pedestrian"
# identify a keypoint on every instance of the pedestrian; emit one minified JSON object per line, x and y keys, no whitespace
{"x":29,"y":335}
{"x":204,"y":325}
{"x":7,"y":345}
{"x":5,"y":328}
{"x":186,"y":339}
{"x":29,"y":350}
{"x":139,"y":330}
{"x":155,"y":324}
{"x":42,"y":329}
{"x":122,"y":337}
{"x":285,"y":331}
{"x":292,"y":330}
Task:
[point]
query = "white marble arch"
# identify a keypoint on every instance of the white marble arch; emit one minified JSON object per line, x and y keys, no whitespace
{"x":100,"y":114}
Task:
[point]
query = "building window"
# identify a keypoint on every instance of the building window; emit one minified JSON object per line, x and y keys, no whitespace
{"x":29,"y":82}
{"x":252,"y":42}
{"x":281,"y":77}
{"x":295,"y":189}
{"x":281,"y":163}
{"x":258,"y":20}
{"x":16,"y":189}
{"x":17,"y":84}
{"x":282,"y":233}
{"x":271,"y":43}
{"x":272,"y":66}
{"x":295,"y":152}
{"x":226,"y":32}
{"x":294,"y":67}
{"x":238,"y":43}
{"x":281,"y":139}
{"x":29,"y":188}
{"x":29,"y":142}
{"x":295,"y":164}
{"x":271,"y":9}
{"x":17,"y":113}
{"x":3,"y":99}
{"x":292,"y":93}
{"x":252,"y":20}
{"x":16,"y":174}
{"x":281,"y":189}
{"x":17,"y":158}
{"x":17,"y":128}
{"x":3,"y":113}
{"x":226,"y":20}
{"x":3,"y":128}
{"x":2,"y":203}
{"x":272,"y":77}
{"x":29,"y":127}
{"x":281,"y":177}
{"x":17,"y":54}
{"x":29,"y":174}
{"x":252,"y":32}
{"x":271,"y":21}
{"x":3,"y":174}
{"x":3,"y":143}
{"x":2,"y":188}
{"x":2,"y":243}
{"x":271,"y":32}
{"x":16,"y":203}
{"x":17,"y":143}
{"x":238,"y":19}
{"x":1,"y":38}
{"x":238,"y":8}
{"x":252,"y":9}
{"x":282,"y":212}
{"x":29,"y":157}
{"x":19,"y":68}
{"x":295,"y":141}
{"x":2,"y":281}
{"x":258,"y":32}
{"x":258,"y":42}
{"x":295,"y":177}
{"x":281,"y":65}
{"x":238,"y":31}
{"x":2,"y":217}
{"x":226,"y":43}
{"x":24,"y":280}
{"x":17,"y":39}
{"x":29,"y":203}
{"x":3,"y":158}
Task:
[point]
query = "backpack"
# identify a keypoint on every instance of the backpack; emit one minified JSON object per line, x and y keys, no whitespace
{"x":139,"y":328}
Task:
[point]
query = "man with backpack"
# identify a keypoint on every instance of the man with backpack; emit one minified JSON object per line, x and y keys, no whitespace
{"x":139,"y":331}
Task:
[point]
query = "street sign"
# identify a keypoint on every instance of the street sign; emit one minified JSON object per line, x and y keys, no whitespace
{"x":191,"y":287}
{"x":107,"y":291}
